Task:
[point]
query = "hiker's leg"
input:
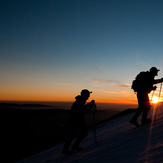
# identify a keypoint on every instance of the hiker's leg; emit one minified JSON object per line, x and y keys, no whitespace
{"x":82,"y":135}
{"x":138,"y":111}
{"x":67,"y":143}
{"x":140,"y":98}
{"x":70,"y":136}
{"x":145,"y":112}
{"x":146,"y":107}
{"x":136,"y":115}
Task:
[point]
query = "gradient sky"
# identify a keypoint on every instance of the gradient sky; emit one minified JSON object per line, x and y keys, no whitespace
{"x":51,"y":49}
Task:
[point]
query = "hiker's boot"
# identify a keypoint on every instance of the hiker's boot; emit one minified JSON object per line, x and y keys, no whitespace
{"x":66,"y":151}
{"x":146,"y":121}
{"x":135,"y":123}
{"x":76,"y":149}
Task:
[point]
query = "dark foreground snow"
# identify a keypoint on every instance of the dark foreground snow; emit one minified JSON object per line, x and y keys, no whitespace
{"x":118,"y":142}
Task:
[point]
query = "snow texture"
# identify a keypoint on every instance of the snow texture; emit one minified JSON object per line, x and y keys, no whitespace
{"x":117,"y":142}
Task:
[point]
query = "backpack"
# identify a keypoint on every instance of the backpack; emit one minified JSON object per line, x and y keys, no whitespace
{"x":141,"y":82}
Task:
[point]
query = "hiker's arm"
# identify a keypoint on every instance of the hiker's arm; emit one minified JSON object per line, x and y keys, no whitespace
{"x":158,"y":81}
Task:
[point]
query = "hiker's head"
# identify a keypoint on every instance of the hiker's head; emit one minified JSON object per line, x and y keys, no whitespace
{"x":154,"y":71}
{"x":85,"y":93}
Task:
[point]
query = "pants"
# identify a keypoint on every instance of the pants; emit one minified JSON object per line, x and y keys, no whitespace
{"x":143,"y":106}
{"x":80,"y":132}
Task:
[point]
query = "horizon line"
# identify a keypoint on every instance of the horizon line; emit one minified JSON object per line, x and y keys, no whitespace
{"x":107,"y":102}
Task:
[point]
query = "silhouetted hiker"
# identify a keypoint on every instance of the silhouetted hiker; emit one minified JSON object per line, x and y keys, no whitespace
{"x":143,"y":85}
{"x":77,"y":121}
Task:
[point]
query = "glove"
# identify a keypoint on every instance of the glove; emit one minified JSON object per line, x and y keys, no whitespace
{"x":93,"y":103}
{"x":154,"y":88}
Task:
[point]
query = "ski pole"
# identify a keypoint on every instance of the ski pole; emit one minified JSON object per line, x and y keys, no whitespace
{"x":94,"y":124}
{"x":158,"y":100}
{"x":160,"y":92}
{"x":152,"y":95}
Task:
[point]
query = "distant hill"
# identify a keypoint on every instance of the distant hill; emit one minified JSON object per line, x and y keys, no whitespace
{"x":21,"y":105}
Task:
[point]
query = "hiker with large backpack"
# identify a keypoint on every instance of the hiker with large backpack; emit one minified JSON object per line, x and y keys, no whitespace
{"x":143,"y":85}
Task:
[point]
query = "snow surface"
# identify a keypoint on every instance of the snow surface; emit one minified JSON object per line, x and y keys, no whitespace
{"x":117,"y":142}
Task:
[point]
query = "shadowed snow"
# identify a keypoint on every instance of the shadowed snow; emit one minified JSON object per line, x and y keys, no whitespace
{"x":117,"y":141}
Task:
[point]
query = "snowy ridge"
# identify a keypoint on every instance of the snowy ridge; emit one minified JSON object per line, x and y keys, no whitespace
{"x":118,"y":142}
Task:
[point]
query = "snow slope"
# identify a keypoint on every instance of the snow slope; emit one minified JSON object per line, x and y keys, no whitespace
{"x":118,"y":142}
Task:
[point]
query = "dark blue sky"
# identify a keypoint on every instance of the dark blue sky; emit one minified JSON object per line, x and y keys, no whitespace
{"x":63,"y":46}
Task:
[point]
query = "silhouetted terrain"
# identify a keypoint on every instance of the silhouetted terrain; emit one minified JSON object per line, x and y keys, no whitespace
{"x":118,"y":141}
{"x":26,"y":129}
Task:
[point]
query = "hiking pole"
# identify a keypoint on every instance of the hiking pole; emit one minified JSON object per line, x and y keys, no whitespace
{"x":160,"y":91}
{"x":158,"y":100}
{"x":94,"y":124}
{"x":152,"y":95}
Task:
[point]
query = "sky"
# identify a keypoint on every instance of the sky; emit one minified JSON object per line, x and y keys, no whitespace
{"x":52,"y":49}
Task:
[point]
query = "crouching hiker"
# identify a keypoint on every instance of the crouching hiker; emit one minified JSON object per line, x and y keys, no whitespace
{"x":77,"y":127}
{"x":143,"y":85}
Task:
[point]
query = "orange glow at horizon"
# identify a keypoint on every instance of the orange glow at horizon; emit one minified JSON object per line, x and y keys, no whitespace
{"x":63,"y":96}
{"x":155,"y":100}
{"x":70,"y":99}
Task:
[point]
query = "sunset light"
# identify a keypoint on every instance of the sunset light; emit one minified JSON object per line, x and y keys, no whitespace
{"x":155,"y":100}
